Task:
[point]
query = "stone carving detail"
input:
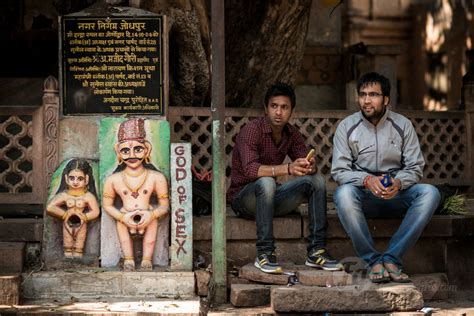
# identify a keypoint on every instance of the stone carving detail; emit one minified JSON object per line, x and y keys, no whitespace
{"x":75,"y":203}
{"x":16,"y":148}
{"x":51,"y":123}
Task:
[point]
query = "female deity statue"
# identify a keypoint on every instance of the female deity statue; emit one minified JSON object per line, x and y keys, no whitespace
{"x":75,"y":203}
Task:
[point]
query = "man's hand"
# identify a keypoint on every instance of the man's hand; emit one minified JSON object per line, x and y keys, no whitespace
{"x":392,"y":190}
{"x":314,"y":168}
{"x":301,"y":167}
{"x":374,"y":184}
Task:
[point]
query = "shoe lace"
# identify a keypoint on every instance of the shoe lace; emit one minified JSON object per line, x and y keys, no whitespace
{"x":322,"y":253}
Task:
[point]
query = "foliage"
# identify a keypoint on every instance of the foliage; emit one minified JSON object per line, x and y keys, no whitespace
{"x":454,"y":205}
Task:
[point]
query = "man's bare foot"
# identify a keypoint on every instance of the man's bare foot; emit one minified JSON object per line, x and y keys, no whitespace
{"x":129,"y":265}
{"x":396,"y":274}
{"x":378,"y":274}
{"x":146,"y":265}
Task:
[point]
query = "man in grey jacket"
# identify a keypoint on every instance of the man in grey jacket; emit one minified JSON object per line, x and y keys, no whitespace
{"x":377,"y":163}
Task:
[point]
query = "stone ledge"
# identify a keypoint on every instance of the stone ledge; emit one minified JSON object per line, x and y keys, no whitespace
{"x":21,"y":229}
{"x":90,"y":284}
{"x":353,"y":298}
{"x":12,"y":256}
{"x":112,"y":307}
{"x":288,"y":227}
{"x":296,"y":226}
{"x":306,"y":276}
{"x":249,"y":295}
{"x":9,"y":290}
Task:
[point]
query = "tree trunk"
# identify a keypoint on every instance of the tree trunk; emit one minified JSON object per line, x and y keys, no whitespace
{"x":264,"y":44}
{"x":189,"y":47}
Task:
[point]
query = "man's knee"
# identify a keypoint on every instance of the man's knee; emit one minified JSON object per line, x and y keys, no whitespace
{"x":265,"y":185}
{"x":344,"y":197}
{"x":428,"y":193}
{"x":318,"y":182}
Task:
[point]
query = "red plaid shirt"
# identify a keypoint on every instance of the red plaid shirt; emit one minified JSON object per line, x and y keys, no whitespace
{"x":254,"y":147}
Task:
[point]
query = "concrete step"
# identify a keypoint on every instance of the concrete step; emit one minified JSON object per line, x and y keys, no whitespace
{"x":354,"y":298}
{"x":90,"y":285}
{"x":12,"y":255}
{"x":9,"y":289}
{"x":444,"y":247}
{"x":21,"y":229}
{"x":119,"y":306}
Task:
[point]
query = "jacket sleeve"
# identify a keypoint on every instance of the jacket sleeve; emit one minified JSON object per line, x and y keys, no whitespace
{"x":341,"y":169}
{"x":412,"y":159}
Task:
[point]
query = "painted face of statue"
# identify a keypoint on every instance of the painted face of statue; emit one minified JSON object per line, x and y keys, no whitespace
{"x":133,"y":152}
{"x":76,"y":179}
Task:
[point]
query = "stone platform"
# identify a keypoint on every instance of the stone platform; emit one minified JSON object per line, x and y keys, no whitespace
{"x":444,"y":247}
{"x":90,"y":285}
{"x":136,"y":306}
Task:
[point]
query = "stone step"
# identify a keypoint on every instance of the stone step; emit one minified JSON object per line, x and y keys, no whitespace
{"x":21,"y":229}
{"x":12,"y":256}
{"x":90,"y":285}
{"x":304,"y":275}
{"x":366,"y":297}
{"x":249,"y":295}
{"x":9,"y":289}
{"x":119,"y":306}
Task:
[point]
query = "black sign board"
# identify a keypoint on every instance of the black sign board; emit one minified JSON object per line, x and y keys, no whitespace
{"x":112,"y":65}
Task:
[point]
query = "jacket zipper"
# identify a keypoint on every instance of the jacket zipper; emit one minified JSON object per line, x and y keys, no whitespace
{"x":376,"y":150}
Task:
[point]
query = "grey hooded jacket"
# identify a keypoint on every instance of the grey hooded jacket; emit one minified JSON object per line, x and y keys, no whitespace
{"x":362,"y":149}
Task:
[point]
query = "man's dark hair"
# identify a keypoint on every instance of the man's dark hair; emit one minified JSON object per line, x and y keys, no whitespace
{"x":371,"y":78}
{"x":278,"y":89}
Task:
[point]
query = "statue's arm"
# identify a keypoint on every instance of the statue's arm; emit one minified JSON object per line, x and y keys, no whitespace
{"x":161,"y":190}
{"x":94,"y":210}
{"x":54,"y":206}
{"x":108,"y":196}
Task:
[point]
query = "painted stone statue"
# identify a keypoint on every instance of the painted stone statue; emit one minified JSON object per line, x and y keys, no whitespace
{"x":134,"y":182}
{"x":75,"y":203}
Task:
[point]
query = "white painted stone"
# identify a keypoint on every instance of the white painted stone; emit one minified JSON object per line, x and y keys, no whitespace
{"x":181,"y":207}
{"x":89,"y":285}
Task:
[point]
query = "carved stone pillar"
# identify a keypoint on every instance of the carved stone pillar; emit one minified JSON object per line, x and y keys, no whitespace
{"x":51,"y":127}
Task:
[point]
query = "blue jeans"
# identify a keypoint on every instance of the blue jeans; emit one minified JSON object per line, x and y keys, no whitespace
{"x":416,"y":204}
{"x":264,"y":199}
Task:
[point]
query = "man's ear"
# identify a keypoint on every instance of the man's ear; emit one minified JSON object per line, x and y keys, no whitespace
{"x":148,"y":147}
{"x":386,"y":100}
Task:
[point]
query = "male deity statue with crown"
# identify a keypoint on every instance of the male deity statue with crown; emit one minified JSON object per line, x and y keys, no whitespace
{"x":134,"y":182}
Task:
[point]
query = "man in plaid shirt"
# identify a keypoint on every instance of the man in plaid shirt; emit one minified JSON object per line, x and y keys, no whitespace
{"x":257,"y":159}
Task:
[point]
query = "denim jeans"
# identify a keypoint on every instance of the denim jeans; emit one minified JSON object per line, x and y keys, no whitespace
{"x":416,"y":205}
{"x":264,"y":199}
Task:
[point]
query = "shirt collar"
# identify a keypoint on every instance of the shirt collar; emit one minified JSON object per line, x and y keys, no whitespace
{"x":382,"y":119}
{"x":267,"y":127}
